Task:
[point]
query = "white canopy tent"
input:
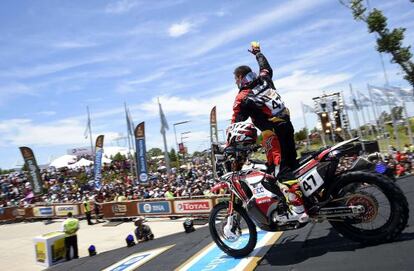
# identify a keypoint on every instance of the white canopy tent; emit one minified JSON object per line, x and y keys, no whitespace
{"x":63,"y":161}
{"x":81,"y":163}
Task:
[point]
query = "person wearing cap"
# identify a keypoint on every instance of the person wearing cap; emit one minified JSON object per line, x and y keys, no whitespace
{"x":70,"y":227}
{"x":143,"y":232}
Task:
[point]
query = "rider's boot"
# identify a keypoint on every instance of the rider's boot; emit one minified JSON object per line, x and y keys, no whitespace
{"x":293,"y":195}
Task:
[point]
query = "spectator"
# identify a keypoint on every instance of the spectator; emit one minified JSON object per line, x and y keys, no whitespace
{"x":143,"y":232}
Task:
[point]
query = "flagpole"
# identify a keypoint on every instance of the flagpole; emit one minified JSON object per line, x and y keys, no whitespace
{"x":90,"y":130}
{"x":394,"y":123}
{"x":355,"y":113}
{"x":129,"y":141}
{"x":347,"y":115}
{"x":166,"y":156}
{"x":407,"y":122}
{"x":361,"y":106}
{"x":306,"y":128}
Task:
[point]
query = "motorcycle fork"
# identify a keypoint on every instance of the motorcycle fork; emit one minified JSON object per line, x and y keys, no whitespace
{"x":231,"y":202}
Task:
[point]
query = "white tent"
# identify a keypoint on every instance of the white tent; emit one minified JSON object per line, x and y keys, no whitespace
{"x":106,"y":160}
{"x":112,"y":151}
{"x":81,"y":163}
{"x":63,"y":161}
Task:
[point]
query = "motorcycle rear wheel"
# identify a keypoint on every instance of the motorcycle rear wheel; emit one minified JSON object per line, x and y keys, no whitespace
{"x":395,"y":219}
{"x":218,"y":237}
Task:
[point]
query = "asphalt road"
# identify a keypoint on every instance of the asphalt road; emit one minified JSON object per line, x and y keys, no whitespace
{"x":315,"y":247}
{"x":320,"y":247}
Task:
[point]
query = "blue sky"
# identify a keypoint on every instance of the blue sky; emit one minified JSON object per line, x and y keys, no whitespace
{"x":57,"y":57}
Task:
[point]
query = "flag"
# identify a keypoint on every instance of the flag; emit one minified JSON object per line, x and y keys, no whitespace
{"x":88,"y":124}
{"x":98,"y":161}
{"x":131,"y":122}
{"x":213,"y":125}
{"x":164,"y":123}
{"x":364,"y":100}
{"x":308,"y":108}
{"x":34,"y":172}
{"x":141,"y":157}
{"x":385,"y":95}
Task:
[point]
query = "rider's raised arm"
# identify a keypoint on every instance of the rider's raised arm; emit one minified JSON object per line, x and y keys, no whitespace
{"x":264,"y":66}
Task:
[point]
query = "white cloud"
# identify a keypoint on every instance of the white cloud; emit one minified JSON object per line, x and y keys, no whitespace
{"x":73,"y":44}
{"x":46,"y":113}
{"x":121,"y":6}
{"x":265,"y":19}
{"x":179,"y":29}
{"x":18,"y":132}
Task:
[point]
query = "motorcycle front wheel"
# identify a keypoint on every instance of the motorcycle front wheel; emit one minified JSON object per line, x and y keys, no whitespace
{"x":238,"y":240}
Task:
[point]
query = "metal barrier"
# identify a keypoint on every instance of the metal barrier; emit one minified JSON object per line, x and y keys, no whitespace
{"x":184,"y":206}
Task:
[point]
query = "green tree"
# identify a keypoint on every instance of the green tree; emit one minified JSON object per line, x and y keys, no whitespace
{"x":301,"y":135}
{"x":397,"y":111}
{"x":388,"y":41}
{"x":119,"y":157}
{"x":173,"y":155}
{"x":154,"y":152}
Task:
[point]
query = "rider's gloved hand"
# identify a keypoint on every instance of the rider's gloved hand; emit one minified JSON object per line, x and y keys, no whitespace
{"x":255,"y":47}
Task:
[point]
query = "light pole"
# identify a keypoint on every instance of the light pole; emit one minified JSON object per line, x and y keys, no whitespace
{"x":175,"y":133}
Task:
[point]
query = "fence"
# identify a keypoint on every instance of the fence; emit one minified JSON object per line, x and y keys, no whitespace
{"x":111,"y":210}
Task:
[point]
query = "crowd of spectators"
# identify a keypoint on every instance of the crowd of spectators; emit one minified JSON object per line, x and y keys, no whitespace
{"x":118,"y":184}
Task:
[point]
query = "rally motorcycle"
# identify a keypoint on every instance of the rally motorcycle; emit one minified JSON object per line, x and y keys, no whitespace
{"x":360,"y":204}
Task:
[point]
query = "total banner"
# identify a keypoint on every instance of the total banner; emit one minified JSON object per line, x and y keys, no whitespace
{"x":98,"y":161}
{"x":141,"y":157}
{"x":154,"y":207}
{"x":34,"y":172}
{"x":193,"y":206}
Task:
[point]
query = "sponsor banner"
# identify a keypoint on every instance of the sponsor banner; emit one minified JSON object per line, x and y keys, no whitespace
{"x":43,"y":211}
{"x":141,"y":156}
{"x":19,"y":212}
{"x":40,"y":251}
{"x":80,"y":151}
{"x":213,"y":125}
{"x":98,"y":161}
{"x":34,"y":172}
{"x":63,"y":210}
{"x":58,"y":250}
{"x":119,"y":209}
{"x":134,"y":261}
{"x":192,"y":206}
{"x":213,"y":258}
{"x":156,"y":207}
{"x":2,"y":211}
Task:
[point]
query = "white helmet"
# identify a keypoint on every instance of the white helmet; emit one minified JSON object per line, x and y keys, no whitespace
{"x":241,"y":133}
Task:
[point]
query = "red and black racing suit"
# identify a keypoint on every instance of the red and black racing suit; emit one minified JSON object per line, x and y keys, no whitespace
{"x":278,"y":135}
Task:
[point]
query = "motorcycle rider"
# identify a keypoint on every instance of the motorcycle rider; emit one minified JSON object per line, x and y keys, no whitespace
{"x":258,"y":99}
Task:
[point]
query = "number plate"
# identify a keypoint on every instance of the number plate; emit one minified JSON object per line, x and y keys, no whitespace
{"x":310,"y":182}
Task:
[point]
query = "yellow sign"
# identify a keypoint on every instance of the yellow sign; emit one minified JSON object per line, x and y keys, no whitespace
{"x":58,"y":250}
{"x":40,"y":252}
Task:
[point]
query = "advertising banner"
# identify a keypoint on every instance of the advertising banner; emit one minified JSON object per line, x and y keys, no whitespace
{"x":98,"y":161}
{"x":34,"y":173}
{"x":192,"y":206}
{"x":63,"y":210}
{"x":43,"y":211}
{"x":154,"y":207}
{"x":213,"y":125}
{"x":119,"y":209}
{"x":80,"y":151}
{"x":141,"y":156}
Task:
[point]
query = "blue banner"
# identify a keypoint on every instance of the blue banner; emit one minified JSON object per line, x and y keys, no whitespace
{"x":98,"y":162}
{"x":141,"y":157}
{"x":157,"y":207}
